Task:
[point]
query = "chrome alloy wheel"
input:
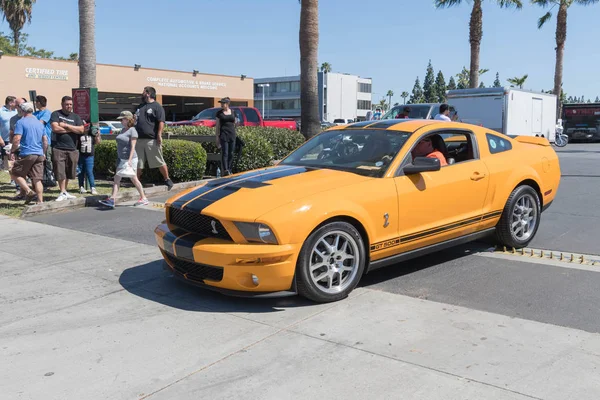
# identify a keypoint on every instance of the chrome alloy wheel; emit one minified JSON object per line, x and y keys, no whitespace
{"x":524,"y":218}
{"x":334,"y":262}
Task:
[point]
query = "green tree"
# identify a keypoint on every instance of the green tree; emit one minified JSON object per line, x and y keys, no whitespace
{"x":597,"y":100}
{"x":310,"y":119}
{"x":561,"y":34}
{"x":497,"y":83}
{"x":476,"y":30}
{"x":452,"y":84}
{"x":326,"y":67}
{"x":482,"y":85}
{"x":518,"y":81}
{"x":390,"y":94}
{"x":463,"y":79}
{"x":429,"y":89}
{"x":404,"y":95}
{"x":440,"y":87}
{"x":417,"y":93}
{"x":17,"y":13}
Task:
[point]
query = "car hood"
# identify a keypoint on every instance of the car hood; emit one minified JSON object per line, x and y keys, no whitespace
{"x":249,"y":195}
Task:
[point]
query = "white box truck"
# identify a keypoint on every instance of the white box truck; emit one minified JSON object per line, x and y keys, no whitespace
{"x":511,"y":111}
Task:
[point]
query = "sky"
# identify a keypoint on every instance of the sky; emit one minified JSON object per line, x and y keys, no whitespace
{"x":390,"y":41}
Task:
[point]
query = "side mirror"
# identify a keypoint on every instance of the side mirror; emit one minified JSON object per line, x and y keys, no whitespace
{"x":422,"y":164}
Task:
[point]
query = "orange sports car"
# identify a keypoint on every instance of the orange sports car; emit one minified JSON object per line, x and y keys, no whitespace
{"x":355,"y":198}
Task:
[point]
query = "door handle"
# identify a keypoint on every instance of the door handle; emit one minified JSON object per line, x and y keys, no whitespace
{"x":477,"y":176}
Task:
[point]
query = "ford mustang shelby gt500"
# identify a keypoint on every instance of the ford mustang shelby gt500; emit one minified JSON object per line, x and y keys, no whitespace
{"x":355,"y":198}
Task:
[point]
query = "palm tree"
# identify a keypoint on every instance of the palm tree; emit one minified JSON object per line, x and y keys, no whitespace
{"x":390,"y":94}
{"x":476,"y":30}
{"x":17,"y":13}
{"x":518,"y":81}
{"x":309,"y":45}
{"x":326,"y":67}
{"x":561,"y":36}
{"x":404,"y":95}
{"x":87,"y":44}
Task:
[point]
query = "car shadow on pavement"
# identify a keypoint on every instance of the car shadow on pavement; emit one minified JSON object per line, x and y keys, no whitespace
{"x":404,"y":268}
{"x":152,"y":282}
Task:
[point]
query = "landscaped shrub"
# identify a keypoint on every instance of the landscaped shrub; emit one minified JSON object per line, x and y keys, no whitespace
{"x":186,"y":161}
{"x":257,"y":153}
{"x":283,"y":141}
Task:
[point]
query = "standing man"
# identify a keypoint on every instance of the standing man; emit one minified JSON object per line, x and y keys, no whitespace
{"x":13,"y":122}
{"x":31,"y":142}
{"x":67,"y":126}
{"x":150,"y":122}
{"x":444,"y":114}
{"x":43,"y":115}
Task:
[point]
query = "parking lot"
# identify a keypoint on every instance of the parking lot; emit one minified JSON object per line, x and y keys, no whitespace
{"x":101,"y":319}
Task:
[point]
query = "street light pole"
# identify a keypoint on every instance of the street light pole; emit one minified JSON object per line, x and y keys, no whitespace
{"x":263,"y":85}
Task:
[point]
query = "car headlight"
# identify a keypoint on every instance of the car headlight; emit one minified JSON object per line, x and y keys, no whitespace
{"x":256,"y":232}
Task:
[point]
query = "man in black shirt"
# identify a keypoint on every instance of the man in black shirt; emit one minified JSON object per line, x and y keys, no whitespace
{"x":150,"y":122}
{"x":67,"y":127}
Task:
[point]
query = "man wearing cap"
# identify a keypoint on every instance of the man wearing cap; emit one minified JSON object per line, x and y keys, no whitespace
{"x":150,"y":122}
{"x":31,"y":142}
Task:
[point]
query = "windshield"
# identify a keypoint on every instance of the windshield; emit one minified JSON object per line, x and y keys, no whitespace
{"x":366,"y":152}
{"x":416,"y":112}
{"x":581,"y":118}
{"x":209,"y":113}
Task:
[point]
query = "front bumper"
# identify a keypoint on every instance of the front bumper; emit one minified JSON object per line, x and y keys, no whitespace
{"x":229,"y":267}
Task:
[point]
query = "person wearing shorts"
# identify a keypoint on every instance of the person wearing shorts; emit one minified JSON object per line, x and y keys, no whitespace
{"x":31,"y":142}
{"x":150,"y":122}
{"x":67,"y":126}
{"x":127,"y":160}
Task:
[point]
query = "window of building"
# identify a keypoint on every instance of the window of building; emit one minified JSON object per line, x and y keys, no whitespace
{"x":363,"y":104}
{"x":364,"y":87}
{"x":290,"y":104}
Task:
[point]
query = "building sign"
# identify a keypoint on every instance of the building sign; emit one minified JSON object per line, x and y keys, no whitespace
{"x":81,"y":103}
{"x":186,"y":83}
{"x":43,"y":73}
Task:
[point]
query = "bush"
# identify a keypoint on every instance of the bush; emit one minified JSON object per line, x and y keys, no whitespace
{"x":186,"y":161}
{"x":257,"y":153}
{"x":283,"y":141}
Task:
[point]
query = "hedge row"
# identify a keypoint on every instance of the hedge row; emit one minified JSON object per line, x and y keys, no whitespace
{"x":188,"y":160}
{"x":282,"y":141}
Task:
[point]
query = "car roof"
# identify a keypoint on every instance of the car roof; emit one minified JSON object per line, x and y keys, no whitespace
{"x":406,"y":125}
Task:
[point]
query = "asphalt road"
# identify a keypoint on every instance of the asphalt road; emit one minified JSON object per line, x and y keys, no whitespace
{"x":467,"y":276}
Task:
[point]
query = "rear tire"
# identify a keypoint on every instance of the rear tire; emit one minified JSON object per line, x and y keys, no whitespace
{"x":520,"y":219}
{"x":331,"y":263}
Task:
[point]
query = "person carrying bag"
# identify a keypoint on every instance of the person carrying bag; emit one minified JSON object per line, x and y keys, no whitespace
{"x":127,"y":160}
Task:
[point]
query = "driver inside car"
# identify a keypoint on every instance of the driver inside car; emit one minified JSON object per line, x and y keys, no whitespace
{"x":425,"y":149}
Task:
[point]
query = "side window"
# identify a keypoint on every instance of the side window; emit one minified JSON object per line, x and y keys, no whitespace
{"x":497,"y":144}
{"x":252,"y":116}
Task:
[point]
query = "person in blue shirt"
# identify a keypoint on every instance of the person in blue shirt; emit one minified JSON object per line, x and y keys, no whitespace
{"x":7,"y":111}
{"x":31,"y":142}
{"x":43,"y":115}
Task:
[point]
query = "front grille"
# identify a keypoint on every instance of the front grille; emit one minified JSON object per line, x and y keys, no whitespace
{"x":194,"y":271}
{"x":197,"y":223}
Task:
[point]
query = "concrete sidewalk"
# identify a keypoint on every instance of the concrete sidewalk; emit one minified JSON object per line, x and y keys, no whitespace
{"x":86,"y":316}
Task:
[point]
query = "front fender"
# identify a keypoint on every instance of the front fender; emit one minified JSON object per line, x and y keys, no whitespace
{"x":293,"y":223}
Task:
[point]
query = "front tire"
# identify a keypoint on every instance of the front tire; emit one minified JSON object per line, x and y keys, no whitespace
{"x":331,"y":263}
{"x":520,"y":219}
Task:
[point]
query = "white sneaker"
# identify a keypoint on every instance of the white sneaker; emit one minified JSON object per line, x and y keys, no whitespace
{"x":82,"y":190}
{"x":61,"y":197}
{"x":69,"y":196}
{"x":94,"y":192}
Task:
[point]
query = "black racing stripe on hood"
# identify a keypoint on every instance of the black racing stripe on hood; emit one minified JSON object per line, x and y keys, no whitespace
{"x":388,"y":123}
{"x":210,"y":185}
{"x":362,"y":124}
{"x":204,"y":201}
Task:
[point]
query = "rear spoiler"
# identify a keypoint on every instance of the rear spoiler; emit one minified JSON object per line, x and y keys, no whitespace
{"x":532,"y":140}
